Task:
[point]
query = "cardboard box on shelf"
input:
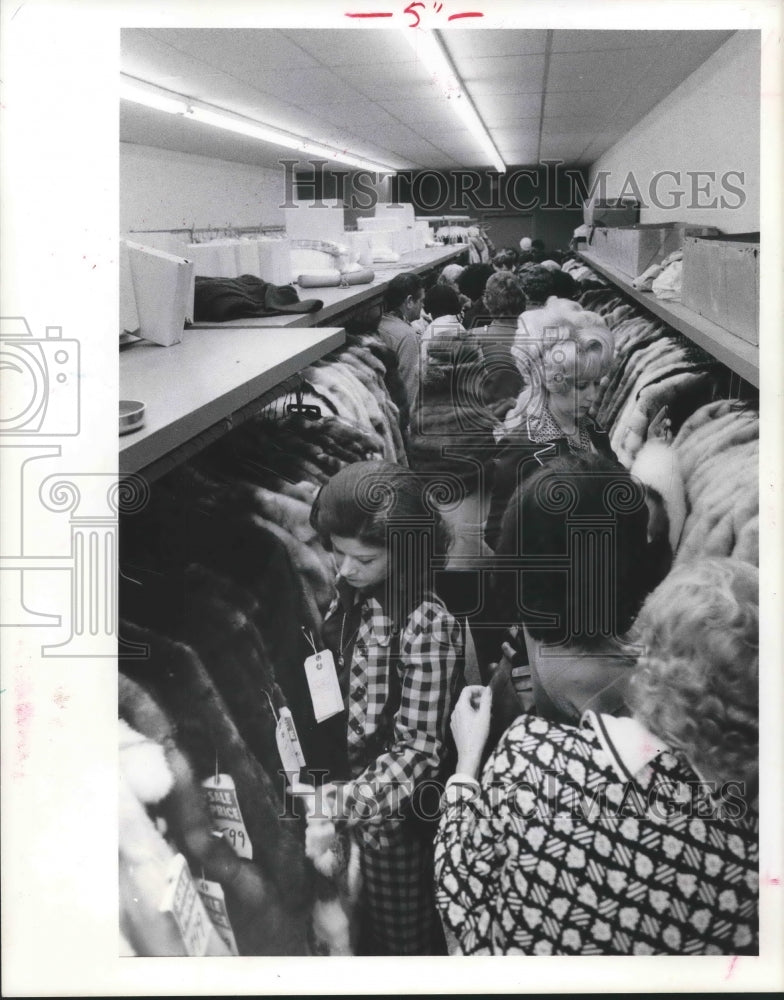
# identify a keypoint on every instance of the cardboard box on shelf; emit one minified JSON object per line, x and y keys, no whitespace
{"x":632,"y":249}
{"x":721,"y":281}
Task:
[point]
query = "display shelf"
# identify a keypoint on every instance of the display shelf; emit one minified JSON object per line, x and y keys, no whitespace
{"x":738,"y":355}
{"x":212,"y":380}
{"x":339,"y":301}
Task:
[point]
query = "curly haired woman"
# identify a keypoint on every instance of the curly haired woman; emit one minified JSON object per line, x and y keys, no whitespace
{"x":625,"y":836}
{"x":562,"y":362}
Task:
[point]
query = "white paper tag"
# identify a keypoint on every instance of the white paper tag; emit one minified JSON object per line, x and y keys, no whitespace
{"x":324,"y":686}
{"x":215,"y":904}
{"x":184,"y":903}
{"x":224,"y":808}
{"x":289,"y":749}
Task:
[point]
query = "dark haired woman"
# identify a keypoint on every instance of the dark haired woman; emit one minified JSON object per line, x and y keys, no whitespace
{"x":575,"y":539}
{"x":625,"y":836}
{"x":397,"y":652}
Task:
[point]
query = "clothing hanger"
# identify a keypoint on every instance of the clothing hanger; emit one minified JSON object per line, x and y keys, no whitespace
{"x":304,"y":409}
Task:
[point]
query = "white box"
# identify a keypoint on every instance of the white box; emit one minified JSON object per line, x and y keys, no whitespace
{"x":162,"y":286}
{"x":275,"y":261}
{"x":307,"y":222}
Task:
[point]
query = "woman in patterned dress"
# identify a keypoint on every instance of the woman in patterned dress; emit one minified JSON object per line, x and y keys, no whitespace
{"x":623,"y":836}
{"x":397,"y":652}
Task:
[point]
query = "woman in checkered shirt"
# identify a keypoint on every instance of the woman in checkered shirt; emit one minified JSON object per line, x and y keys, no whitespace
{"x":397,"y":652}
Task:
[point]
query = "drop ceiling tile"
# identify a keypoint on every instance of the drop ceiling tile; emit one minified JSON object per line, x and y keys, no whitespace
{"x":505,"y":108}
{"x":364,"y":113}
{"x":464,"y":44}
{"x":349,"y":47}
{"x":511,"y":136}
{"x":503,"y":86}
{"x":149,"y":58}
{"x":664,"y":75}
{"x":444,"y":130}
{"x":385,"y":78}
{"x":518,"y":153}
{"x":320,"y":84}
{"x":569,"y":103}
{"x":426,"y":105}
{"x":584,"y":71}
{"x":602,"y":40}
{"x":579,"y":136}
{"x":241,"y":51}
{"x":527,"y":72}
{"x":565,"y":125}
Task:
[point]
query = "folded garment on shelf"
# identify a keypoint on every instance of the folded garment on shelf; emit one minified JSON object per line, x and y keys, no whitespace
{"x":221,"y":299}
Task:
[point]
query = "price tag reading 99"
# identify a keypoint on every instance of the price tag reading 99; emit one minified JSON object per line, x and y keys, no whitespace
{"x":226,"y":815}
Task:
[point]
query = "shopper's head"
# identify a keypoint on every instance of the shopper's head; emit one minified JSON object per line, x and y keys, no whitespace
{"x":696,"y":682}
{"x":380,"y":521}
{"x":538,"y":284}
{"x":405,"y":294}
{"x":564,"y":285}
{"x":504,"y":295}
{"x":579,"y":526}
{"x":450,"y":274}
{"x":505,"y":260}
{"x":563,"y":352}
{"x":441,"y":300}
{"x":473,"y":280}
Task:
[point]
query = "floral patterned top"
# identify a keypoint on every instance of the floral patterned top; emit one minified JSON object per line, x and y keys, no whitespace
{"x":595,"y":840}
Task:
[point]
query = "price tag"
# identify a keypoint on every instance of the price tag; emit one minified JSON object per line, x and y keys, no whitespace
{"x":184,"y":903}
{"x":224,"y":809}
{"x":324,"y":686}
{"x":215,"y":904}
{"x":289,"y":748}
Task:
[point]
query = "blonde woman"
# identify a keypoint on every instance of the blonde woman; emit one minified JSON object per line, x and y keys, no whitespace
{"x":562,"y":355}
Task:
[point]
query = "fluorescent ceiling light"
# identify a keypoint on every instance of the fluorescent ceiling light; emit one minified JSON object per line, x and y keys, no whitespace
{"x":430,"y":51}
{"x":151,"y":96}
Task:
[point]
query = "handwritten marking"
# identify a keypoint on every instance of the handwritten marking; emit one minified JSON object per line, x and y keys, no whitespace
{"x":470,"y":13}
{"x":368,"y":15}
{"x":733,"y":960}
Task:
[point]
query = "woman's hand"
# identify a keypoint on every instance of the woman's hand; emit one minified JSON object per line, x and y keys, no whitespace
{"x":470,"y":725}
{"x":502,"y":407}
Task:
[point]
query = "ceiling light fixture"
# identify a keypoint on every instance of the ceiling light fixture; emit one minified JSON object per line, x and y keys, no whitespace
{"x":141,"y":92}
{"x":430,"y":51}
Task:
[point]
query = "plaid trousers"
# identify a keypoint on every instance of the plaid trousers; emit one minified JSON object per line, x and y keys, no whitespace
{"x":397,"y":913}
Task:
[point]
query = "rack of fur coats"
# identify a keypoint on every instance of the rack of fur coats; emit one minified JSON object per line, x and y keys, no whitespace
{"x":707,"y":474}
{"x":220,"y":572}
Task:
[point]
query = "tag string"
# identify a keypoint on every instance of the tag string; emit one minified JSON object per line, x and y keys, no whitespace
{"x":217,"y":772}
{"x":266,"y":695}
{"x":309,"y":636}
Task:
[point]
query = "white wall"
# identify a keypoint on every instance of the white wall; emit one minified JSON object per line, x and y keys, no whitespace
{"x":163,"y":189}
{"x":711,"y":122}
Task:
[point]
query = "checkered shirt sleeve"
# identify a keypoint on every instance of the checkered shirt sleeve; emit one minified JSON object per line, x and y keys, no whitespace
{"x":429,"y":649}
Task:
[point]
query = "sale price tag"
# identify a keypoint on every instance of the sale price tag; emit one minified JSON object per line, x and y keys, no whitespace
{"x":215,"y":904}
{"x":224,"y":808}
{"x":184,"y":903}
{"x":289,"y":748}
{"x":324,"y":685}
